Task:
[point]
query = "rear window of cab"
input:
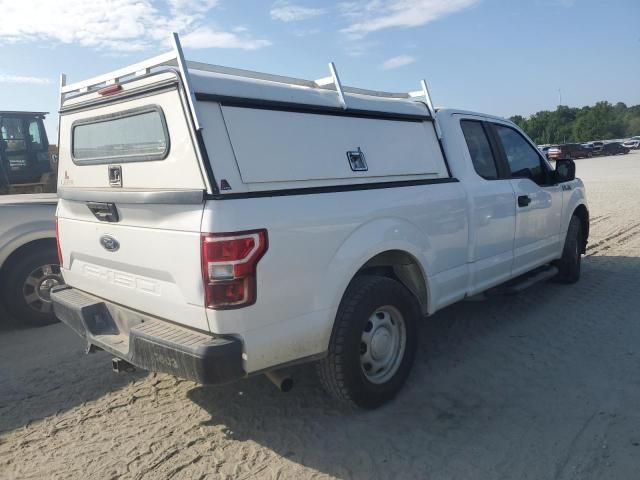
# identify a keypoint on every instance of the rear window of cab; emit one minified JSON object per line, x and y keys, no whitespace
{"x":135,"y":135}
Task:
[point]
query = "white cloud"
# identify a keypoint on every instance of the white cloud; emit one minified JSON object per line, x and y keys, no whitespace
{"x":205,"y":37}
{"x":399,"y":61}
{"x":116,"y":25}
{"x":360,"y":48}
{"x":6,"y":78}
{"x":287,"y":12}
{"x":192,"y":5}
{"x":306,"y":32}
{"x":373,"y":15}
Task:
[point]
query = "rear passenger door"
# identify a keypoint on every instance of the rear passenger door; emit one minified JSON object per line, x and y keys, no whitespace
{"x":538,"y":200}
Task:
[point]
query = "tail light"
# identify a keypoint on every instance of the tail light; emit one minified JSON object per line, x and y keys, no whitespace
{"x":58,"y":243}
{"x":229,"y":262}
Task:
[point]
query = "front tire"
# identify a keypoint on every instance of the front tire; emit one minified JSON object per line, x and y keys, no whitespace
{"x":28,"y":284}
{"x":570,"y":262}
{"x":373,"y":343}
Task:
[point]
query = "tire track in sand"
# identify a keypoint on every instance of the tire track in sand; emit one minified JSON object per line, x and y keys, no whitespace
{"x":617,"y":238}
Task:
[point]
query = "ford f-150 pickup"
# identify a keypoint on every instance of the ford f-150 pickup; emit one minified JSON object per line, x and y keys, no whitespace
{"x":216,"y":223}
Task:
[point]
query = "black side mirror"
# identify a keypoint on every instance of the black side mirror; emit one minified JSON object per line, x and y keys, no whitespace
{"x":565,"y":171}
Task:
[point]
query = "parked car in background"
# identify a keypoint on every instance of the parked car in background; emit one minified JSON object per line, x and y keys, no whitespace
{"x":596,"y":147}
{"x":632,"y":144}
{"x":28,"y":254}
{"x":614,"y":148}
{"x":568,"y":151}
{"x":544,"y":149}
{"x":28,"y":257}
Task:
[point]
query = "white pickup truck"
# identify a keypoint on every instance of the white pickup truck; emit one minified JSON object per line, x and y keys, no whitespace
{"x":28,"y":259}
{"x":216,"y":223}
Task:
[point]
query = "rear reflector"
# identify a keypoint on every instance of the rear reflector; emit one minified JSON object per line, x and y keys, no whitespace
{"x":58,"y":244}
{"x":110,"y":89}
{"x":229,"y":263}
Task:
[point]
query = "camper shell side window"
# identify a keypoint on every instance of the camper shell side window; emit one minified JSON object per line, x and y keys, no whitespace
{"x":135,"y":135}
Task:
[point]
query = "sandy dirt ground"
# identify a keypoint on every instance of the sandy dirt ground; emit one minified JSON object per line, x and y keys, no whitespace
{"x":544,"y":385}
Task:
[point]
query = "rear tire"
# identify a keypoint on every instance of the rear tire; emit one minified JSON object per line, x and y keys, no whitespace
{"x":570,"y":262}
{"x":28,"y":282}
{"x":373,"y":343}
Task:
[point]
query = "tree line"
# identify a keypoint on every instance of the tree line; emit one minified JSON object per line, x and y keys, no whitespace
{"x":602,"y":121}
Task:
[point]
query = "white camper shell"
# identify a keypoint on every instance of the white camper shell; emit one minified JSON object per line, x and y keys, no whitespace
{"x":214,"y":221}
{"x":247,"y":117}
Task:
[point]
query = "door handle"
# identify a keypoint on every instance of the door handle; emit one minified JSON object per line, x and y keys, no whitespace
{"x":524,"y":200}
{"x":105,"y":212}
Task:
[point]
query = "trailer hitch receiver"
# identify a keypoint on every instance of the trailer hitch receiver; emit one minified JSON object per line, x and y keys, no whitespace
{"x":119,"y":365}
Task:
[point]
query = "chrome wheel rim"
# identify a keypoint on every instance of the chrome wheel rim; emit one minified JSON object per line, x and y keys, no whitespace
{"x":382,"y":344}
{"x":36,"y":289}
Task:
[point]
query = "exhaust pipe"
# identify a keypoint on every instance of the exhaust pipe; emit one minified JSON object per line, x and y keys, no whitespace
{"x":280,"y":379}
{"x":119,"y":366}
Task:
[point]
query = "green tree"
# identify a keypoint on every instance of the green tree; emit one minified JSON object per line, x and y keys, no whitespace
{"x":601,"y":121}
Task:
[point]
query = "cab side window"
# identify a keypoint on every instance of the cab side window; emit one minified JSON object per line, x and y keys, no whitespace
{"x":35,"y":134}
{"x":12,"y":130}
{"x":524,"y":161}
{"x":480,"y":149}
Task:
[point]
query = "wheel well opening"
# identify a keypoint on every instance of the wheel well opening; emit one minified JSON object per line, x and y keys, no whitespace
{"x":583,"y":214}
{"x":24,"y":249}
{"x":402,"y":267}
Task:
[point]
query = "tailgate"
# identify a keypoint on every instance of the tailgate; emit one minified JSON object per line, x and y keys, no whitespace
{"x":129,"y":217}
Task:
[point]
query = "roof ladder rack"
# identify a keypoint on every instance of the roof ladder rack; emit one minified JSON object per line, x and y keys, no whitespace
{"x":334,"y":79}
{"x":184,"y":71}
{"x":175,"y":58}
{"x":429,"y":103}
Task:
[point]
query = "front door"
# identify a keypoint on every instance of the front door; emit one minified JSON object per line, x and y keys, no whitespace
{"x":538,"y":200}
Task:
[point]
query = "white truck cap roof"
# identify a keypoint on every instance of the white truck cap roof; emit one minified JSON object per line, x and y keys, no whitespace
{"x":223,"y":85}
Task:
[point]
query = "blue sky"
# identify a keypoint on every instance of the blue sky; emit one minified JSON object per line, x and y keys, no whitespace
{"x":497,"y":56}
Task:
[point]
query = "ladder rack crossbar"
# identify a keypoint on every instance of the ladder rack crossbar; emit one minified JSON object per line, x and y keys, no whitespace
{"x":146,"y":65}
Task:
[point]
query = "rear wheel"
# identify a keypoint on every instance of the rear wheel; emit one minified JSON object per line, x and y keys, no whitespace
{"x":373,"y":343}
{"x":28,"y":284}
{"x":570,"y":262}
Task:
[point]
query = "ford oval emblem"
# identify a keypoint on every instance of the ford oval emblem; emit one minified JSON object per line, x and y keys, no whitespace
{"x":109,"y":243}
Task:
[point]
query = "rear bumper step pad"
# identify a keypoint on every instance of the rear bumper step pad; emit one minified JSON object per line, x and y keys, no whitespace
{"x":147,"y":342}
